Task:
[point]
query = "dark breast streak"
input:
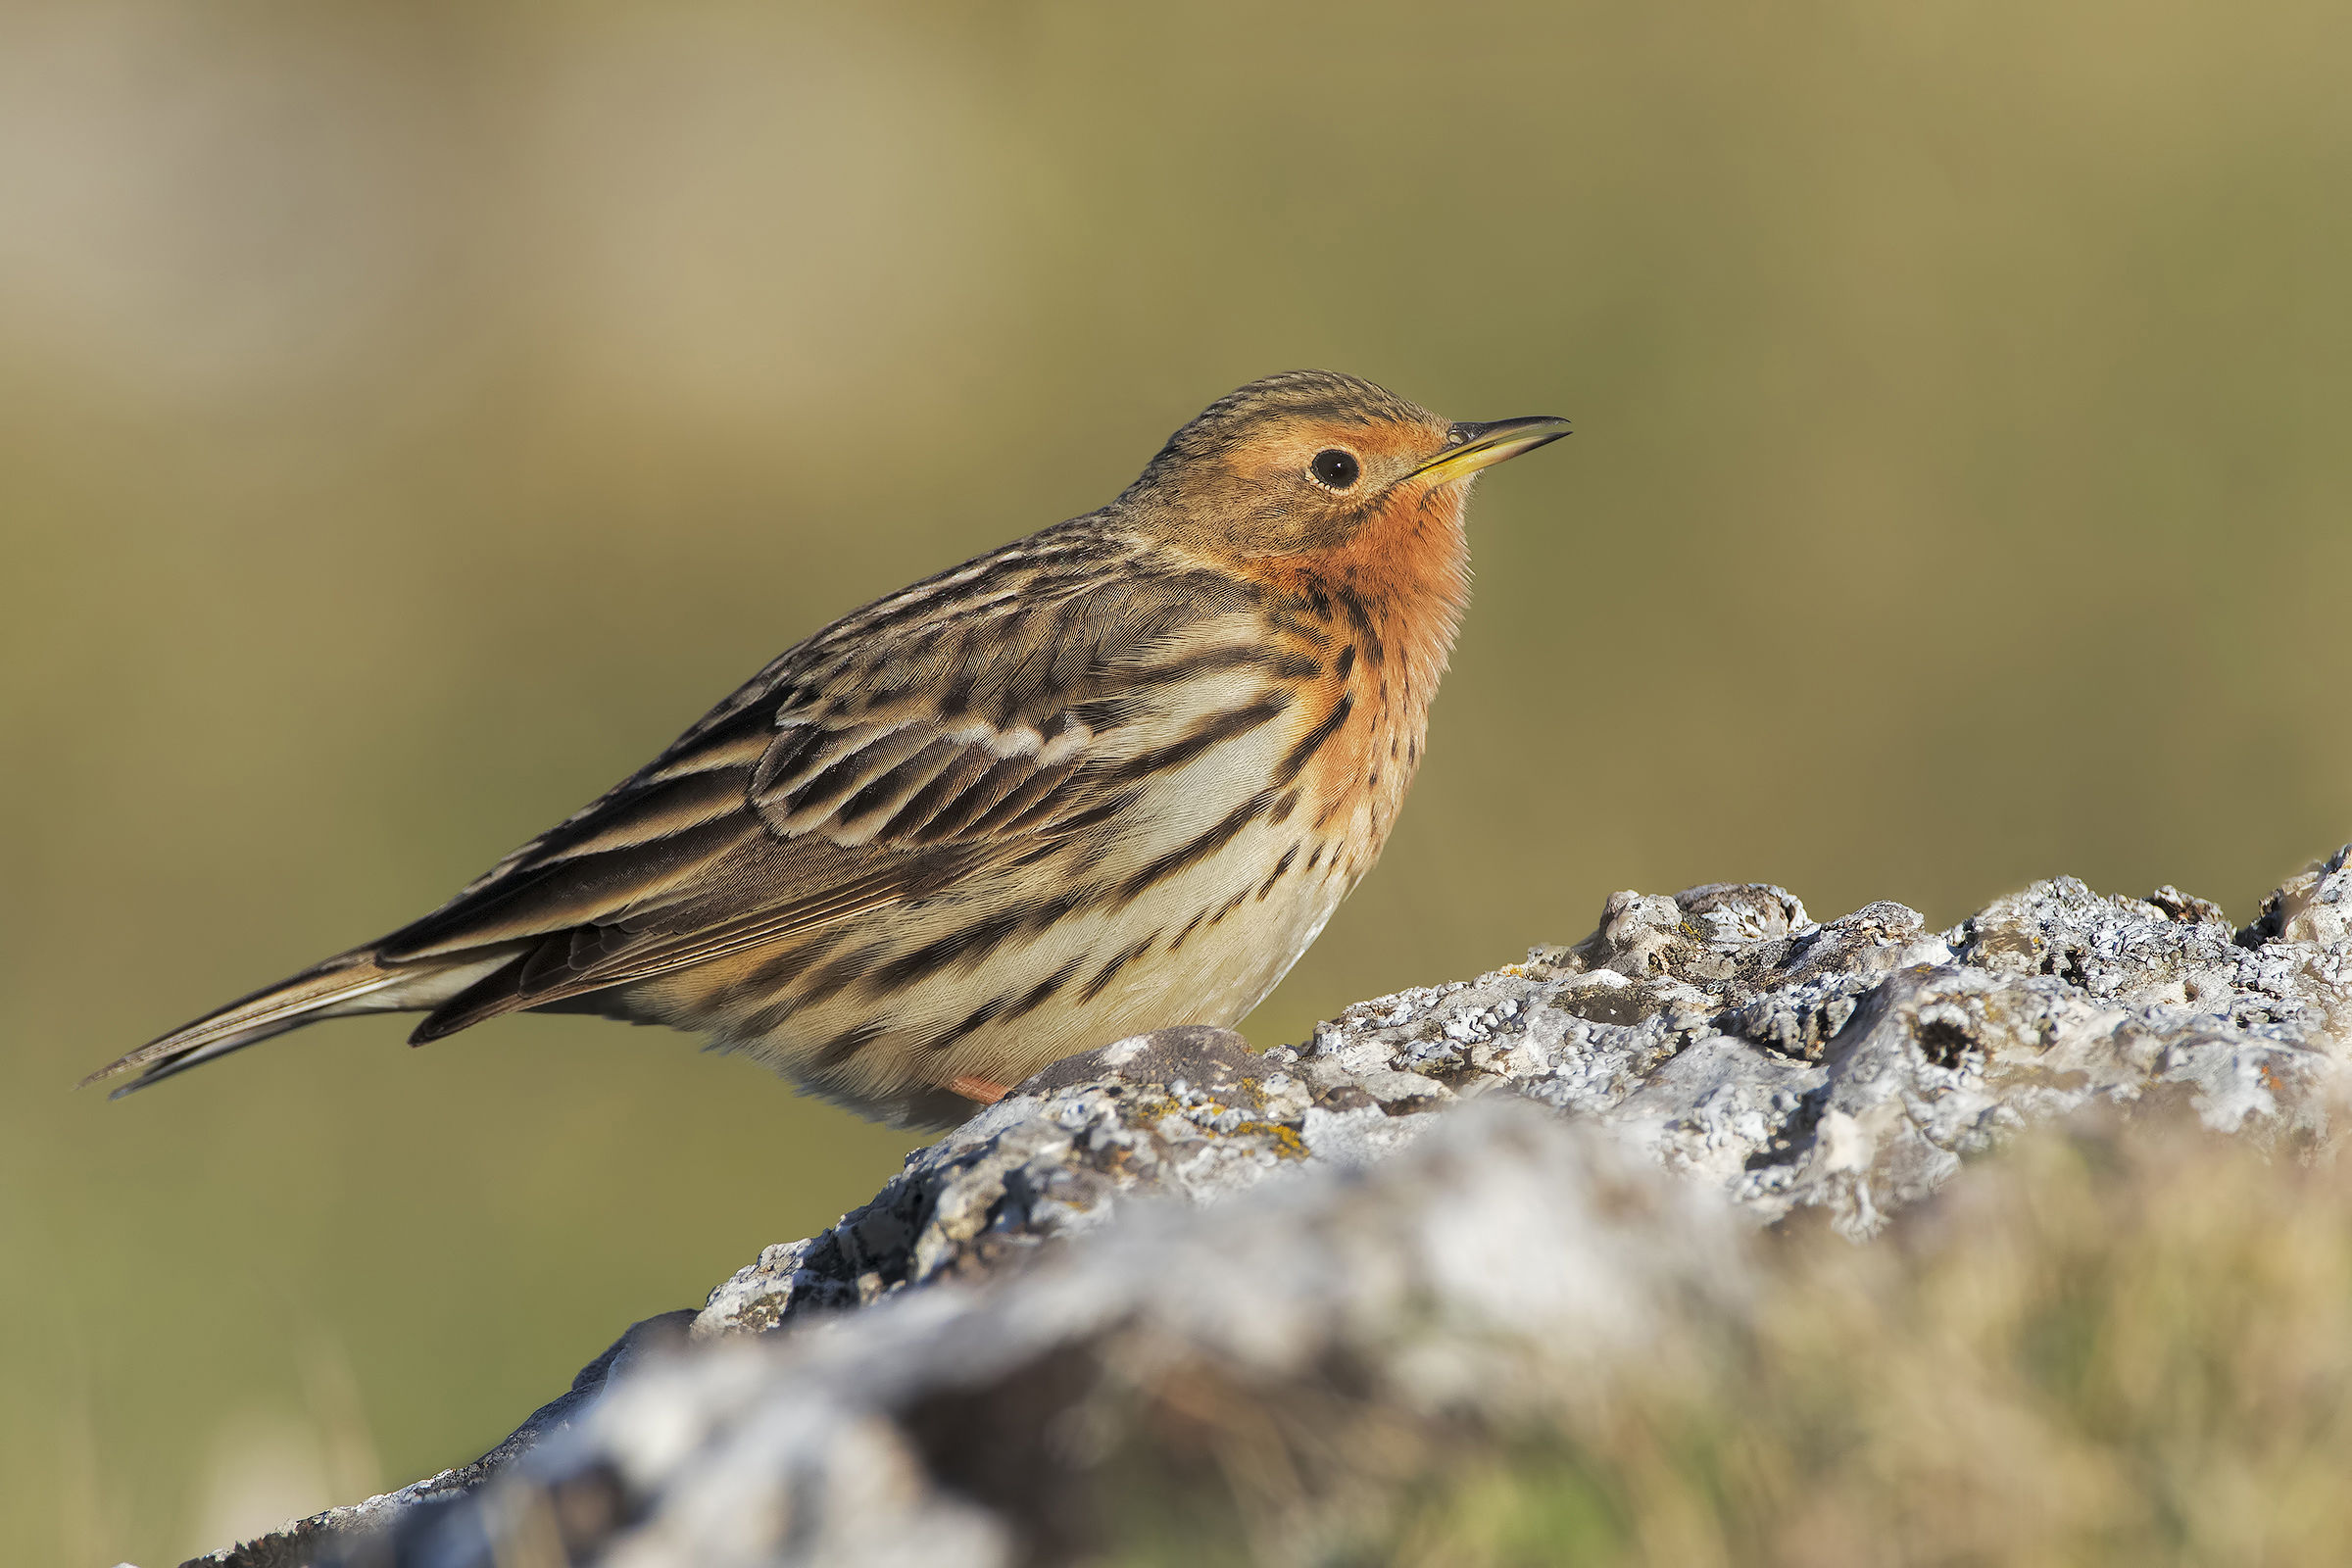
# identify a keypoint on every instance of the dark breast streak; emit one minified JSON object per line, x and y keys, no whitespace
{"x":1384,"y":608}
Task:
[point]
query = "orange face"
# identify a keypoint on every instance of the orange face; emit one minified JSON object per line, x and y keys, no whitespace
{"x":1396,"y":582}
{"x":1351,"y":511}
{"x":1365,"y":508}
{"x":1289,"y":483}
{"x":1304,"y":473}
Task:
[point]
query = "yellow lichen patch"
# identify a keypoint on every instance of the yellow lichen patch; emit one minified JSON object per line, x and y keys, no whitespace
{"x":1287,"y":1145}
{"x":1149,"y":1110}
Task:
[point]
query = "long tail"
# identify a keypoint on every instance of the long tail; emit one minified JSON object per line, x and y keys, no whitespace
{"x":349,"y":983}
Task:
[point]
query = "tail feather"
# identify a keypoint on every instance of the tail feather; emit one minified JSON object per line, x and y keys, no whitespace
{"x":351,"y":983}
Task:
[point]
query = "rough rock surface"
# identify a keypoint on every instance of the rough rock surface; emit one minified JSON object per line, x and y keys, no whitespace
{"x":1723,"y":1035}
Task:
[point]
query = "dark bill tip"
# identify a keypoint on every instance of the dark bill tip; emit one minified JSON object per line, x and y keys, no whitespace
{"x":1472,"y":447}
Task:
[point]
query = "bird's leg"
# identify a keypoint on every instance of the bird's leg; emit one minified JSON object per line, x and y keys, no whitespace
{"x":987,"y":1091}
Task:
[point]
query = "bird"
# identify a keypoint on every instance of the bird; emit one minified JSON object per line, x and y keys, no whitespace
{"x":1112,"y":776}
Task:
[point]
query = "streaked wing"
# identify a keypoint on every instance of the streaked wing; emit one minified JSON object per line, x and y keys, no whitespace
{"x":947,"y":728}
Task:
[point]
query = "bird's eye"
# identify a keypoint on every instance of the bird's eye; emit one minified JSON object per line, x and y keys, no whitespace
{"x":1335,"y":467}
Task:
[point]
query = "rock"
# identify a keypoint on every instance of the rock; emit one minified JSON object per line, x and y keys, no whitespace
{"x":1449,"y":1279}
{"x":905,"y":1386}
{"x":1188,"y":1110}
{"x":327,"y":1535}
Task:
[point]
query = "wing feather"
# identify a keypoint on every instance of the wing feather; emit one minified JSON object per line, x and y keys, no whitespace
{"x":838,"y":784}
{"x":968,"y":722}
{"x":878,"y":763}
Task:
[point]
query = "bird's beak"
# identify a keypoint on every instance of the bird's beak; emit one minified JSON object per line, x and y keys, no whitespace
{"x":1472,"y":447}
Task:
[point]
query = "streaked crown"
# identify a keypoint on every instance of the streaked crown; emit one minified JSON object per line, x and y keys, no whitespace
{"x":1295,"y":462}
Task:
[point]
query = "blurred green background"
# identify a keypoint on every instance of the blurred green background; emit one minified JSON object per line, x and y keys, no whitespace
{"x":412,"y":415}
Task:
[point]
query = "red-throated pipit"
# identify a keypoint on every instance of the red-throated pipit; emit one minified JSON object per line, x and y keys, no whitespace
{"x":1112,"y":776}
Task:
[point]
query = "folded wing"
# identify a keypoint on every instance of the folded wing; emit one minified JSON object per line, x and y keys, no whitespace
{"x":937,"y":732}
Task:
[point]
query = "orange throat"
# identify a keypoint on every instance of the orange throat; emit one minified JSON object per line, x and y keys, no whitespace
{"x":1386,"y":606}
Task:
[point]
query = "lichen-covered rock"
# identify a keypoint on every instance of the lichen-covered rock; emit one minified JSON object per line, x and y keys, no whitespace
{"x":1781,"y":1064}
{"x":1507,"y":1259}
{"x":1187,"y":1110}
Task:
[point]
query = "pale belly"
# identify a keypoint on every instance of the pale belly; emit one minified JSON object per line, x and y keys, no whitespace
{"x":1204,"y":946}
{"x":1202,"y":942}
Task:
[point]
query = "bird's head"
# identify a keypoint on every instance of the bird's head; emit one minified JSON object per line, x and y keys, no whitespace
{"x":1308,"y":460}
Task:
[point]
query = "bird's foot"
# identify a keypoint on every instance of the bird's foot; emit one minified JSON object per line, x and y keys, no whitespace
{"x":987,"y":1091}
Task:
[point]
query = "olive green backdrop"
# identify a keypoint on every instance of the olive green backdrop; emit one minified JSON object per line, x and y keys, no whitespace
{"x":412,"y":415}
